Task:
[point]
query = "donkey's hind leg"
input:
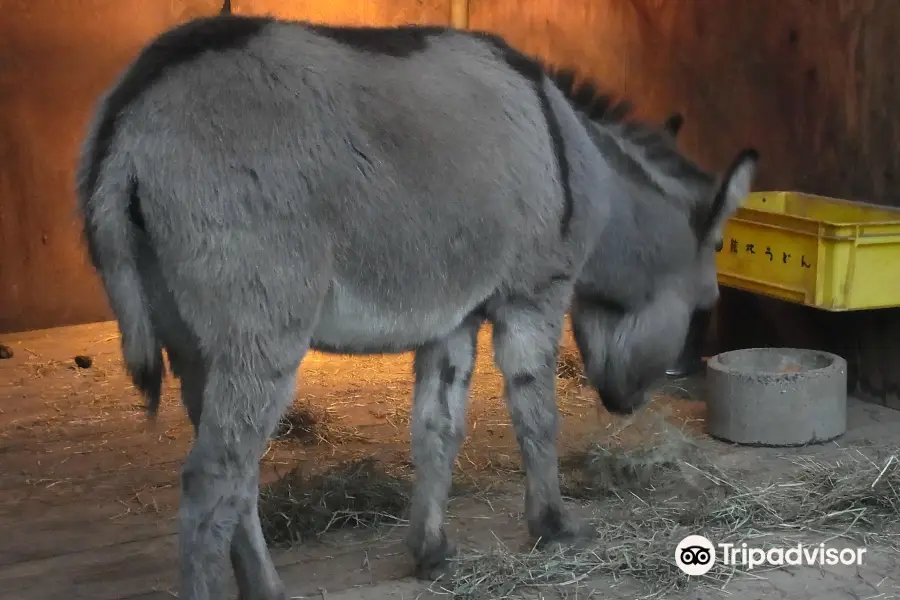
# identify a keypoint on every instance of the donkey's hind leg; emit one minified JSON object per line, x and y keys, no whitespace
{"x":243,"y":396}
{"x":254,"y":572}
{"x":526,"y":347}
{"x":443,"y":371}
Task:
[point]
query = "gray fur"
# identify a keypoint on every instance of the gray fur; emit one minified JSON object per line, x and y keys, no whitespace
{"x":293,"y":192}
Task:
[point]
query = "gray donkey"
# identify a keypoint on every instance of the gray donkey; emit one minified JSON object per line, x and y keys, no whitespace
{"x":254,"y":188}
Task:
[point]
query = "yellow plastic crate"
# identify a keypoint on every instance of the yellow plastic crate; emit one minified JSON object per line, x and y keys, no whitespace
{"x":824,"y":252}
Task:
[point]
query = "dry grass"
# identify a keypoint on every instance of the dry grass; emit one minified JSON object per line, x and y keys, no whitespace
{"x":301,"y":420}
{"x":856,"y":498}
{"x":311,"y":424}
{"x":569,"y":366}
{"x":355,"y":493}
{"x":81,"y":367}
{"x":605,"y":470}
{"x":646,"y":500}
{"x":570,"y":378}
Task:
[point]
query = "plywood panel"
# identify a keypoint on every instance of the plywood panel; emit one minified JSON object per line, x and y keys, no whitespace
{"x":351,"y":12}
{"x":809,"y":84}
{"x":643,"y":54}
{"x":55,"y":59}
{"x":594,"y":37}
{"x":812,"y":85}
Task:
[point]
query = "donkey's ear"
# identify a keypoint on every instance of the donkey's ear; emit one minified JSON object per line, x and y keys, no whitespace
{"x":673,"y":124}
{"x":733,"y":190}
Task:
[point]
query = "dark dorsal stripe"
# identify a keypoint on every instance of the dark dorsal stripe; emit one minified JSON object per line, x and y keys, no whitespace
{"x":396,"y":42}
{"x":226,"y":32}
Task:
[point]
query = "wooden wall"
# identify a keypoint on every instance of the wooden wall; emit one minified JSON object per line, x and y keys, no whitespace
{"x":811,"y":84}
{"x":808,"y":83}
{"x":351,"y":12}
{"x":56,"y":57}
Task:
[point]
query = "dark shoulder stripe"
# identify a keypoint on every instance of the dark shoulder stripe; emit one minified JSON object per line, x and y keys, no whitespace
{"x":654,"y":155}
{"x":532,"y":70}
{"x":176,"y":46}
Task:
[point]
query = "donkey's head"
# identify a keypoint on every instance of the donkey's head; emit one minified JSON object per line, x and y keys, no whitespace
{"x":654,"y":264}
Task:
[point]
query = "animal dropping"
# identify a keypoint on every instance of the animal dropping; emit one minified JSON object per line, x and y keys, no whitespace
{"x":253,"y":188}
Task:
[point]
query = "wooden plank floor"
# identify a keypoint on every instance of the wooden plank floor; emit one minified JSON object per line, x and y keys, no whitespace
{"x":88,"y":489}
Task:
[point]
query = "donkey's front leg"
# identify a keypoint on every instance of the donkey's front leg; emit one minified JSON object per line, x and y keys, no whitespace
{"x":526,"y":347}
{"x":443,"y":371}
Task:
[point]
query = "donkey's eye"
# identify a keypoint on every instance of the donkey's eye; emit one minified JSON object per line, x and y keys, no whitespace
{"x":720,"y":245}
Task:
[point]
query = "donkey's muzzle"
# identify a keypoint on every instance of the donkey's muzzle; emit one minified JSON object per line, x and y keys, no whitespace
{"x":623,"y":404}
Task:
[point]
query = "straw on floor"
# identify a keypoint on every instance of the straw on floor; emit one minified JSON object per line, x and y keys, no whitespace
{"x":356,"y":493}
{"x":645,"y":501}
{"x":856,"y":498}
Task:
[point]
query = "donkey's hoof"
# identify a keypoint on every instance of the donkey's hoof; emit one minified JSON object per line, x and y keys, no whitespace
{"x":557,"y":527}
{"x":436,"y":564}
{"x":278,"y":595}
{"x":275,"y":592}
{"x":571,"y":539}
{"x":443,"y":571}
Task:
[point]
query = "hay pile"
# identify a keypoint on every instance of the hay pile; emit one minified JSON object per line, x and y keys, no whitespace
{"x":569,"y":366}
{"x":646,"y":500}
{"x":307,"y":423}
{"x":856,"y":498}
{"x":355,"y":493}
{"x":602,"y":471}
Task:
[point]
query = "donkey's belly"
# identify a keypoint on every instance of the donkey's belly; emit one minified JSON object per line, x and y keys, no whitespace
{"x":350,"y":324}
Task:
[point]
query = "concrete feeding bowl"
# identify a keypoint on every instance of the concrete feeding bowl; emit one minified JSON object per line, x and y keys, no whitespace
{"x":776,"y":396}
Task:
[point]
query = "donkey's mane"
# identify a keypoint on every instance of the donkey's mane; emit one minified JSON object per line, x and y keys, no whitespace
{"x":649,"y":148}
{"x":601,"y":107}
{"x":587,"y":97}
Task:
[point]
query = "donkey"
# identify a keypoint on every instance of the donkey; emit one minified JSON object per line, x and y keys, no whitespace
{"x":253,"y":188}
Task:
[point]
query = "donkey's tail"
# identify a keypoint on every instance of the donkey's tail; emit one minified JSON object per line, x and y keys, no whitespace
{"x":107,"y":189}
